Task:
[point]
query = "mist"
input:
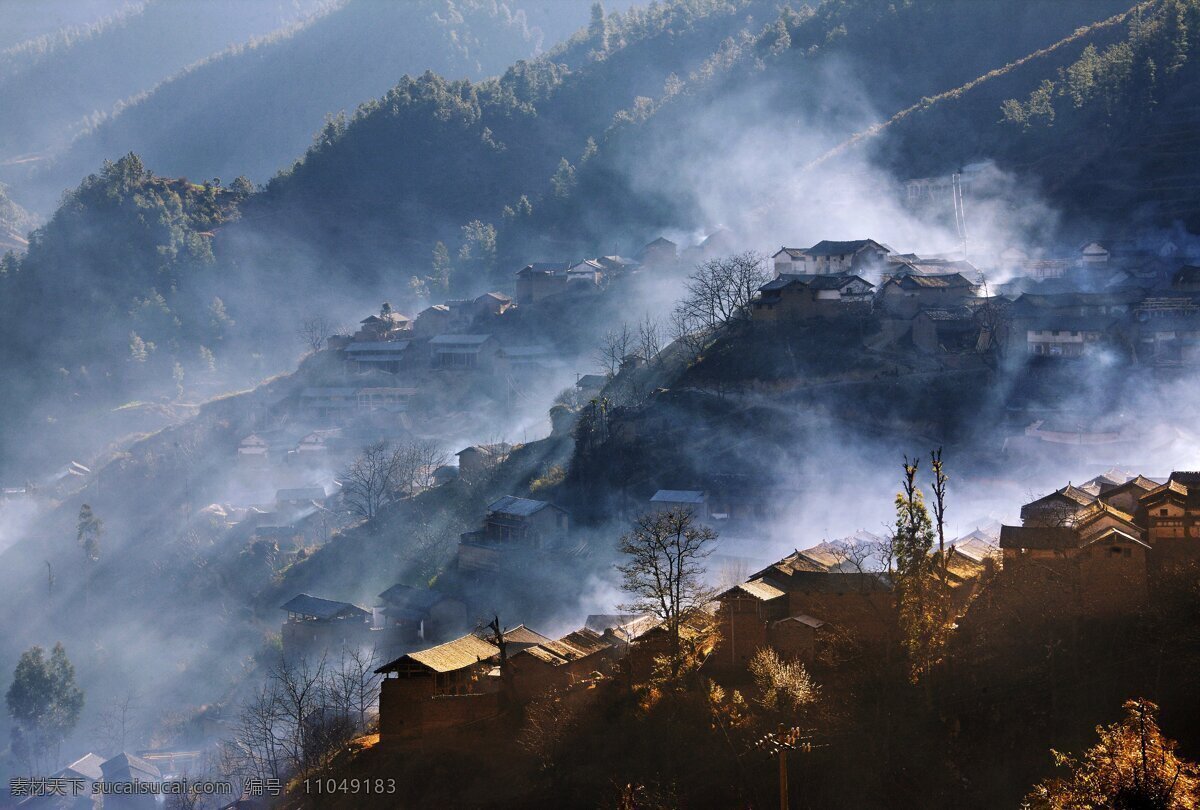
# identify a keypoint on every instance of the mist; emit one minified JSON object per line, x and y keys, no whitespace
{"x":236,"y":331}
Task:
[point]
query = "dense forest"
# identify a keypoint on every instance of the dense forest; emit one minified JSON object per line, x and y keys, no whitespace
{"x":253,"y":108}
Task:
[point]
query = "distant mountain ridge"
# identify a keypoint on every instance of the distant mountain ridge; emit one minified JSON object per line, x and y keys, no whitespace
{"x":53,"y":87}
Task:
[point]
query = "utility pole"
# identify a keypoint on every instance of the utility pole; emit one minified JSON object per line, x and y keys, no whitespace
{"x":960,"y":216}
{"x":783,"y":785}
{"x":777,"y":744}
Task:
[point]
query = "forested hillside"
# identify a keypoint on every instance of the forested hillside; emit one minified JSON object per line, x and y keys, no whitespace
{"x":406,"y":170}
{"x":252,"y":109}
{"x":55,"y":86}
{"x":15,"y":222}
{"x":795,"y":90}
{"x":1106,"y":123}
{"x":649,"y":104}
{"x":602,"y":142}
{"x":26,"y":21}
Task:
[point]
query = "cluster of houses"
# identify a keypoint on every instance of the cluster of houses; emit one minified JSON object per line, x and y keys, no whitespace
{"x":1143,"y":298}
{"x":405,"y":617}
{"x":1103,"y":545}
{"x":1094,"y":549}
{"x":463,"y":681}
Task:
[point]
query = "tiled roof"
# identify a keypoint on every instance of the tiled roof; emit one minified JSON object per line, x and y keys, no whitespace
{"x":518,"y":507}
{"x":758,"y":589}
{"x":459,"y":340}
{"x":678,"y":496}
{"x":940,"y":281}
{"x":827,"y":247}
{"x":835,"y":281}
{"x":806,"y":620}
{"x":125,"y":767}
{"x":1115,"y":535}
{"x":1038,"y":537}
{"x":453,"y":655}
{"x":320,"y":608}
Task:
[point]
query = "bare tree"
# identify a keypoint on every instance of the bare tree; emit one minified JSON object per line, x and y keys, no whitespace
{"x":371,"y":480}
{"x":688,"y":332}
{"x":995,"y":324}
{"x":301,"y":691}
{"x":305,"y":709}
{"x":116,"y":722}
{"x":256,"y":749}
{"x":664,"y":569}
{"x":354,"y":686}
{"x":413,"y":464}
{"x":720,"y":290}
{"x":939,"y":516}
{"x":548,"y":722}
{"x":614,"y":347}
{"x":313,"y":330}
{"x":649,"y":339}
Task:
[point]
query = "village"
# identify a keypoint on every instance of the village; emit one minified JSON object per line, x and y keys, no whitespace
{"x":1097,"y":551}
{"x":1106,"y":538}
{"x":367,"y":425}
{"x":402,"y":380}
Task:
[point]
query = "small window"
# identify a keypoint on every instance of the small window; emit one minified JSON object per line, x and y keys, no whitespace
{"x":1163,"y":512}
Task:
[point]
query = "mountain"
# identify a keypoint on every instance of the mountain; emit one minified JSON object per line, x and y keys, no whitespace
{"x":251,"y":109}
{"x":663,"y":104}
{"x":801,"y":91}
{"x":1103,"y":121}
{"x":58,"y":85}
{"x":410,"y":168}
{"x":680,"y":116}
{"x":31,"y":21}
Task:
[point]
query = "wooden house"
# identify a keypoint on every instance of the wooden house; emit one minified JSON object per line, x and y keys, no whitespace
{"x":561,"y":664}
{"x":694,"y":501}
{"x":510,"y":525}
{"x":253,"y":452}
{"x":463,"y":352}
{"x":479,"y":458}
{"x":438,"y":687}
{"x":409,"y":615}
{"x":432,"y":321}
{"x":660,"y":252}
{"x":1172,"y":516}
{"x":831,"y":257}
{"x":377,"y":355}
{"x":382,"y":326}
{"x":541,"y":280}
{"x":905,"y":295}
{"x":125,"y":769}
{"x":1068,"y":568}
{"x":493,"y":303}
{"x":799,"y":297}
{"x":315,"y":624}
{"x":946,"y":330}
